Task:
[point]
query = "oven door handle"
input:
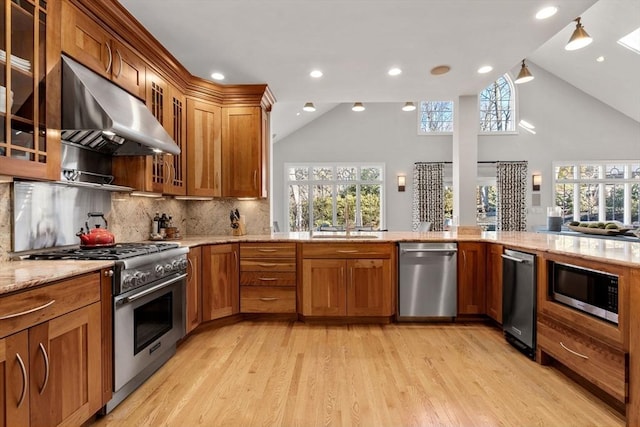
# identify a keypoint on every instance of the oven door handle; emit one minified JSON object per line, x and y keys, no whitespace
{"x":152,"y":290}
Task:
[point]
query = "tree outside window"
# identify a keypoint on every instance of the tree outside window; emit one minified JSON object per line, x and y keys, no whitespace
{"x":497,"y":111}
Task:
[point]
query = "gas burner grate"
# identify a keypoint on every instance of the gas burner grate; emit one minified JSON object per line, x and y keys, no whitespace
{"x":119,"y":251}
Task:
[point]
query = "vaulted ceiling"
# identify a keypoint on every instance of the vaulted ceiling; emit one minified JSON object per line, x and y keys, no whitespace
{"x":355,"y":43}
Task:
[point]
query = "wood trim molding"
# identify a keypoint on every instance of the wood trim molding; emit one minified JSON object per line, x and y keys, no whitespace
{"x":118,"y":21}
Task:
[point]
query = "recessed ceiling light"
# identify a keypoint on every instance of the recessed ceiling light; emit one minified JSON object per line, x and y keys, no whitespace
{"x":395,"y":71}
{"x":217,"y":76}
{"x":440,"y":69}
{"x":546,"y":12}
{"x":485,"y":69}
{"x":600,"y":59}
{"x":316,"y":74}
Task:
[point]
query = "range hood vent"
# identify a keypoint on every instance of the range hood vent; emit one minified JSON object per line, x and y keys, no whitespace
{"x":103,"y":117}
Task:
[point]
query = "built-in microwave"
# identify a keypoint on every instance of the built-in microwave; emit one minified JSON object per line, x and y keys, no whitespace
{"x":594,"y":292}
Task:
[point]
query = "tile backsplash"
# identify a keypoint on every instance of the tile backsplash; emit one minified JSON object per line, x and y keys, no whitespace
{"x":130,"y":217}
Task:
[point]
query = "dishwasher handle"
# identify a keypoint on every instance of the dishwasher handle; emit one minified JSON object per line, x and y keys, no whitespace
{"x":519,"y":260}
{"x":434,"y":251}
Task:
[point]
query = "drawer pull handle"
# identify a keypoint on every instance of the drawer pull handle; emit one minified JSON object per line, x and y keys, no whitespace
{"x":351,"y":251}
{"x":269,"y":264}
{"x":267,"y":279}
{"x":46,"y":367}
{"x":267,"y":250}
{"x":24,"y":380}
{"x":268,"y":299}
{"x":32,"y":310}
{"x":574,"y":352}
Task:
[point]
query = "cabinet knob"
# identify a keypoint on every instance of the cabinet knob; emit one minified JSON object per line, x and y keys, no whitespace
{"x":108,"y":273}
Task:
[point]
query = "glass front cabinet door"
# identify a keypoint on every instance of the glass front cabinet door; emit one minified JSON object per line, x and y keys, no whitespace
{"x":29,"y":90}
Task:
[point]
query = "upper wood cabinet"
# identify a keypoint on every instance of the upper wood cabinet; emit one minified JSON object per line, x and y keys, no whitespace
{"x":30,"y":89}
{"x":93,"y":46}
{"x":244,"y":152}
{"x":471,"y":278}
{"x":204,"y":149}
{"x":162,"y":173}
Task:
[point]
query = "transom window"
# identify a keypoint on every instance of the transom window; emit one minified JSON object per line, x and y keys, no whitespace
{"x":435,"y":117}
{"x":497,"y":106}
{"x":598,"y":190}
{"x":317,"y":195}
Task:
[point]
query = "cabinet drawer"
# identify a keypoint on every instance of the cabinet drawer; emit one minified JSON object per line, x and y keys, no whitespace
{"x":269,"y":250}
{"x":603,"y":365}
{"x":267,"y":264}
{"x":347,"y":250}
{"x":267,"y":299}
{"x":268,"y":278}
{"x":25,"y":309}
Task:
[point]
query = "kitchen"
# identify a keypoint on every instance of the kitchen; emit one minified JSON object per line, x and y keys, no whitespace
{"x":195,"y":217}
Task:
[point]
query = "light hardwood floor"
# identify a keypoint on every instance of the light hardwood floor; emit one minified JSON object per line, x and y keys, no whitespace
{"x":295,"y":374}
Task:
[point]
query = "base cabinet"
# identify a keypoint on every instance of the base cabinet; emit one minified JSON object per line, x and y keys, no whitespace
{"x":220,"y":288}
{"x":51,"y":354}
{"x":348,"y":280}
{"x":194,"y":289}
{"x":471,"y":278}
{"x":494,"y":281}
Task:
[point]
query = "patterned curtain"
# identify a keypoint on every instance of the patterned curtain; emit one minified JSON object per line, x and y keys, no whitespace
{"x":428,"y":195}
{"x":512,"y":209}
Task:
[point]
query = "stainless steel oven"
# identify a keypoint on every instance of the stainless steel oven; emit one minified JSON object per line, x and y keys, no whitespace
{"x":147,"y":323}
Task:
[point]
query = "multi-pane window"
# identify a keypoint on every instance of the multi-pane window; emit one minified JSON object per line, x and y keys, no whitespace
{"x":318,"y":195}
{"x":497,"y":106}
{"x":435,"y":117}
{"x":598,"y":190}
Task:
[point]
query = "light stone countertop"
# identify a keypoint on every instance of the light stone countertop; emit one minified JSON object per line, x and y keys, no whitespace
{"x":17,"y":275}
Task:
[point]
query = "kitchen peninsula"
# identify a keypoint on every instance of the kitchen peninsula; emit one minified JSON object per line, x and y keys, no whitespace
{"x":603,"y":339}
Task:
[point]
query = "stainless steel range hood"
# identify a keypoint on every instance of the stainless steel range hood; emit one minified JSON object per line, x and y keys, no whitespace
{"x":101,"y":116}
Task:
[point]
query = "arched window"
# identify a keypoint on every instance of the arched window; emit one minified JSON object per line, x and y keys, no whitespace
{"x":497,"y":106}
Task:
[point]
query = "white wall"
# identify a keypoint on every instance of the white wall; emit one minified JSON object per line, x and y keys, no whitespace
{"x":570,"y":125}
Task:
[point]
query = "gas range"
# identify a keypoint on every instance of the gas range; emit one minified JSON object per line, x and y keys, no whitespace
{"x":135,"y":264}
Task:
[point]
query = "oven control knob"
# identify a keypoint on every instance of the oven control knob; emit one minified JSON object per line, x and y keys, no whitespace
{"x":168,"y":268}
{"x":159,"y":270}
{"x":183,"y":263}
{"x":127,"y":280}
{"x":175,"y":264}
{"x":137,"y":278}
{"x":144,"y":277}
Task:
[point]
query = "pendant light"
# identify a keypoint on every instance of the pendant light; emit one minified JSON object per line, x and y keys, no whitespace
{"x":309,"y":107}
{"x":358,"y":106}
{"x":524,"y":75}
{"x":409,"y":106}
{"x":579,"y":38}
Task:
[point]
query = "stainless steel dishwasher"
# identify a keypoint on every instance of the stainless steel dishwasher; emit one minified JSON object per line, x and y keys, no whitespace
{"x":519,"y":300}
{"x":427,"y":281}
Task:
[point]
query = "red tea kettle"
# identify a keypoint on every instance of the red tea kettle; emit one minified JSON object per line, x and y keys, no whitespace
{"x":96,"y":237}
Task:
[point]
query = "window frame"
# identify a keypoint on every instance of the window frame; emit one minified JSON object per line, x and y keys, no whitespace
{"x":311,"y":183}
{"x":419,"y":121}
{"x":513,"y":107}
{"x":627,"y":181}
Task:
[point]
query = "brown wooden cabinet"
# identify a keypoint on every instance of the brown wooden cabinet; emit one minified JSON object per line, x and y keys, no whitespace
{"x":244,"y":152}
{"x":194,"y":289}
{"x":93,"y":46}
{"x":51,"y":353}
{"x":204,"y":149}
{"x":30,"y":89}
{"x":162,"y":173}
{"x":494,"y":281}
{"x":268,"y":277}
{"x":220,"y":286}
{"x":348,"y":279}
{"x":471,"y":278}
